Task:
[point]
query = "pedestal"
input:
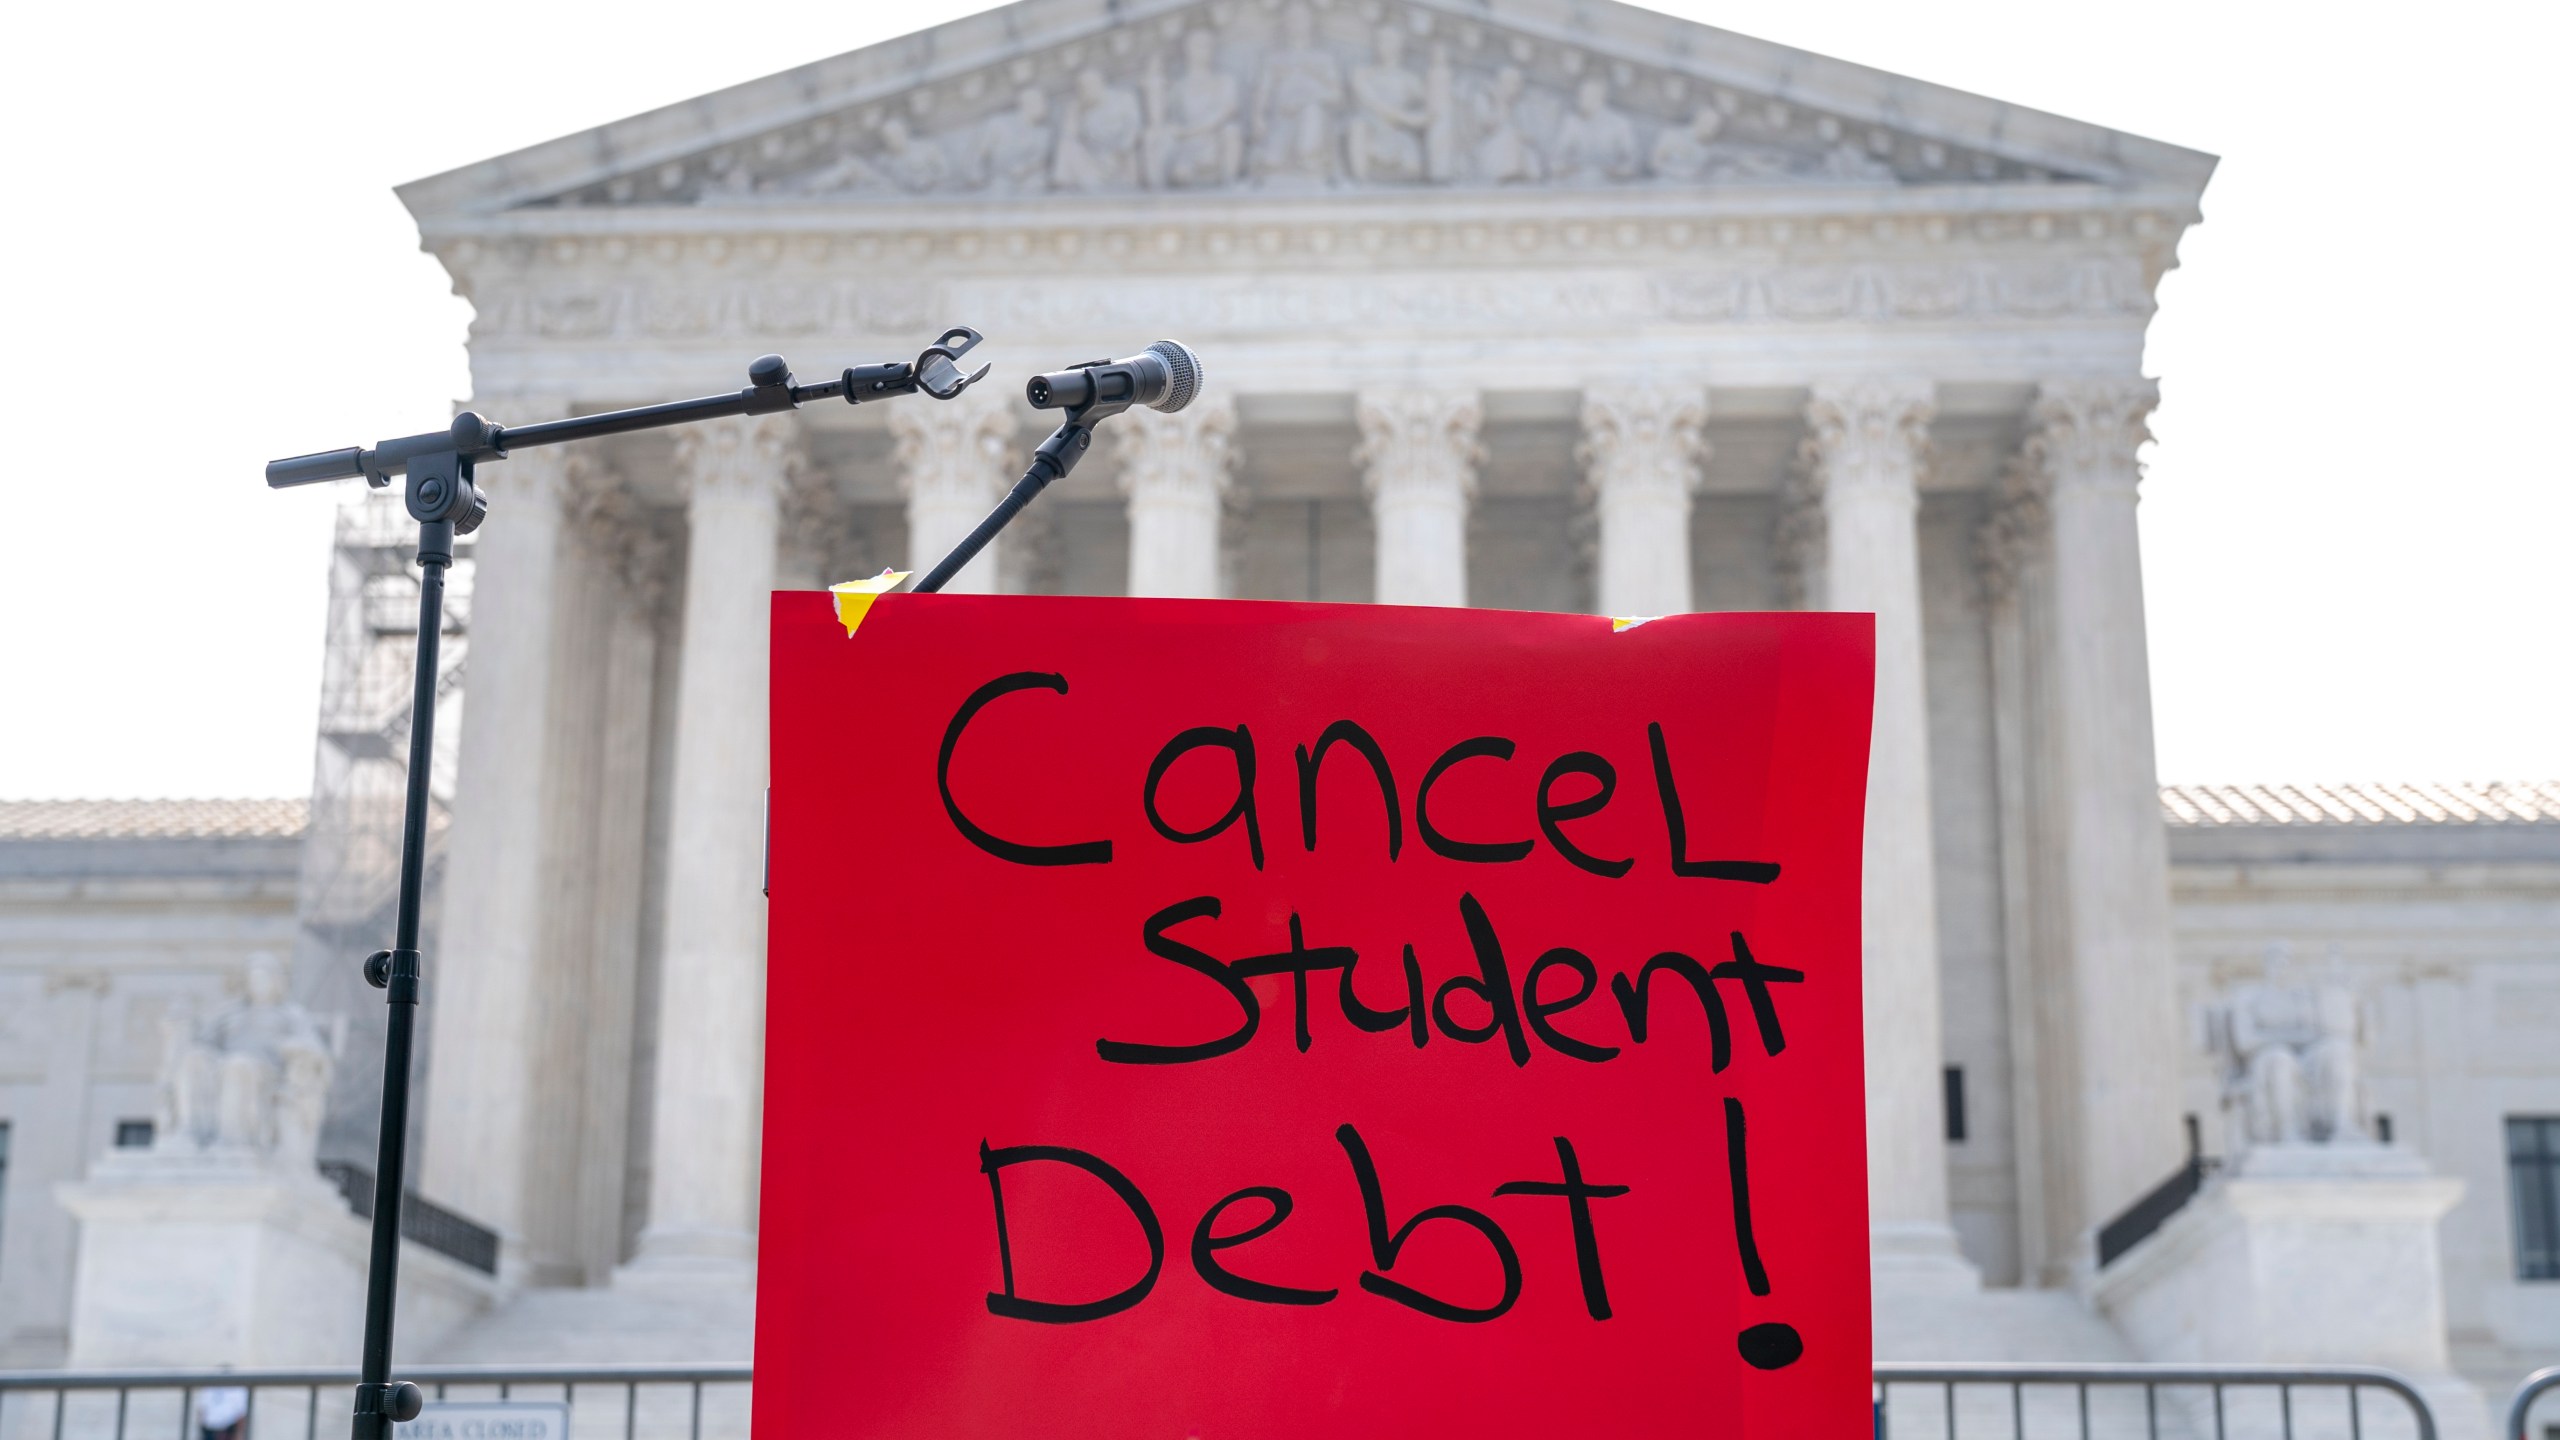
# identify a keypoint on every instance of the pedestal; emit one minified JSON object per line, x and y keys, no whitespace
{"x":2303,"y":1255}
{"x":206,"y":1260}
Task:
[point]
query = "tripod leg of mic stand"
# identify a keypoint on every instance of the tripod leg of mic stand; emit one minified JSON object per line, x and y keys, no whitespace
{"x":378,"y":1401}
{"x":1050,"y":463}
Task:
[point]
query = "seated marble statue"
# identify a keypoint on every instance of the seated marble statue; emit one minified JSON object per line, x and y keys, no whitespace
{"x":1294,"y":102}
{"x":1017,"y":146}
{"x":250,"y":1079}
{"x":1503,"y":154}
{"x":1683,"y":152}
{"x":1195,"y":131}
{"x":2289,"y":1049}
{"x":1389,"y":117}
{"x":909,"y":162}
{"x":1593,"y":141}
{"x":1848,"y":162}
{"x":1098,"y":141}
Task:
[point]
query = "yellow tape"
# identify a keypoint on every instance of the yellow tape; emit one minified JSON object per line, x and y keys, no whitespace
{"x":854,"y":597}
{"x":1619,"y":624}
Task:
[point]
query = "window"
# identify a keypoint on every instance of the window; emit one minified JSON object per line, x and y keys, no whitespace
{"x":133,"y":1134}
{"x":4,"y":1169}
{"x":2533,"y":1183}
{"x":1955,"y":1102}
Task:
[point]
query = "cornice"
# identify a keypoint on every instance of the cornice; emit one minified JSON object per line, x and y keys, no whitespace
{"x":1939,"y":260}
{"x":2078,"y":293}
{"x":2146,"y":212}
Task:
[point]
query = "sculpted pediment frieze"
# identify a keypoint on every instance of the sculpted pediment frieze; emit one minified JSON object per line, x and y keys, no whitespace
{"x":1242,"y":96}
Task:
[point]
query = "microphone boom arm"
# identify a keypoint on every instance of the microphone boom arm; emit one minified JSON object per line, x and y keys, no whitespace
{"x":770,"y":389}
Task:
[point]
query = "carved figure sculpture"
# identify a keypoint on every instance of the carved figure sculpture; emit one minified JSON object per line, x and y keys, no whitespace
{"x":1683,"y":152}
{"x":1847,"y":162}
{"x":251,"y":1078}
{"x":1748,"y":163}
{"x":1503,"y":155}
{"x":1442,"y":138}
{"x":730,"y":175}
{"x":1195,"y":130}
{"x":910,"y":163}
{"x":849,"y":171}
{"x":1098,"y":144}
{"x":2289,"y":1048}
{"x":1018,"y":146}
{"x":1293,"y":105}
{"x":1389,"y":115}
{"x":1593,"y":142}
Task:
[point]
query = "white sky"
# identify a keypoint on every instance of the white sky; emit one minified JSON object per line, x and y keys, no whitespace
{"x":2350,"y":521}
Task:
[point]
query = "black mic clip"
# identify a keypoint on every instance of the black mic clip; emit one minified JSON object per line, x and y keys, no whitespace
{"x":935,"y":371}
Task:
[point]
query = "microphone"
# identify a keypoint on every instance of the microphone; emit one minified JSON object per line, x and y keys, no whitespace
{"x":1164,"y":376}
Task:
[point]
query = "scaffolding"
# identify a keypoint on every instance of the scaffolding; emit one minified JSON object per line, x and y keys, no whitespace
{"x":350,"y":879}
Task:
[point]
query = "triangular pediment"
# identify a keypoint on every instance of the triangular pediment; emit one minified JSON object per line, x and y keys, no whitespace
{"x":1199,"y":98}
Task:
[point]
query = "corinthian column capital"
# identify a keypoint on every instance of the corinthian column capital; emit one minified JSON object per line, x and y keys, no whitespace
{"x":1650,"y":438}
{"x":1185,"y":457}
{"x":1868,"y":433}
{"x":1174,"y":469}
{"x":2013,"y":531}
{"x":1418,"y":456}
{"x":635,"y":549}
{"x":955,"y":458}
{"x":737,"y":456}
{"x":955,"y":449}
{"x":1643,"y":449}
{"x":2086,"y":432}
{"x":1419,"y":439}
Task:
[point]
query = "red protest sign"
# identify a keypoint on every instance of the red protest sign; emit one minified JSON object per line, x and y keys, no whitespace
{"x":1237,"y":1019}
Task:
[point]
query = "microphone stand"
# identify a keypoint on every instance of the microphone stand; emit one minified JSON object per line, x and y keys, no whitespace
{"x":445,"y":501}
{"x":1049,"y":464}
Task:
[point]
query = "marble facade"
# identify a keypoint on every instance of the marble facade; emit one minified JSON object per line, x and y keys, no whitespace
{"x":1543,"y":305}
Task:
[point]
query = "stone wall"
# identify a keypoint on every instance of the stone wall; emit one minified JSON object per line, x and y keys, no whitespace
{"x":113,"y":919}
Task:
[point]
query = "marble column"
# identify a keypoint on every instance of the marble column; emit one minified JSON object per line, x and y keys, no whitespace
{"x":631,"y":556}
{"x":1418,"y":456}
{"x":1175,"y":470}
{"x":2103,"y":810}
{"x":956,"y":459}
{"x":1867,"y":444}
{"x":1642,"y":450}
{"x":485,"y":978}
{"x":708,"y":1105}
{"x":2009,"y":563}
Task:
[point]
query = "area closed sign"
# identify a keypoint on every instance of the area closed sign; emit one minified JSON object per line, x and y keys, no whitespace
{"x":1232,"y":1019}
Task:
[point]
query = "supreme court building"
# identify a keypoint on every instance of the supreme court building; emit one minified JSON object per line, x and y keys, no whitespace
{"x":1541,"y":304}
{"x":1537,"y":305}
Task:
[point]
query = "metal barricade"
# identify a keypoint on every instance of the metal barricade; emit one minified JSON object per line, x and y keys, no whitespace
{"x":633,"y":1402}
{"x":2545,"y":1381}
{"x":709,"y":1402}
{"x":2147,"y":1402}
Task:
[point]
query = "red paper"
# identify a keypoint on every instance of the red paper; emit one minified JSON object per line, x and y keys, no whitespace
{"x":934,"y":1010}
